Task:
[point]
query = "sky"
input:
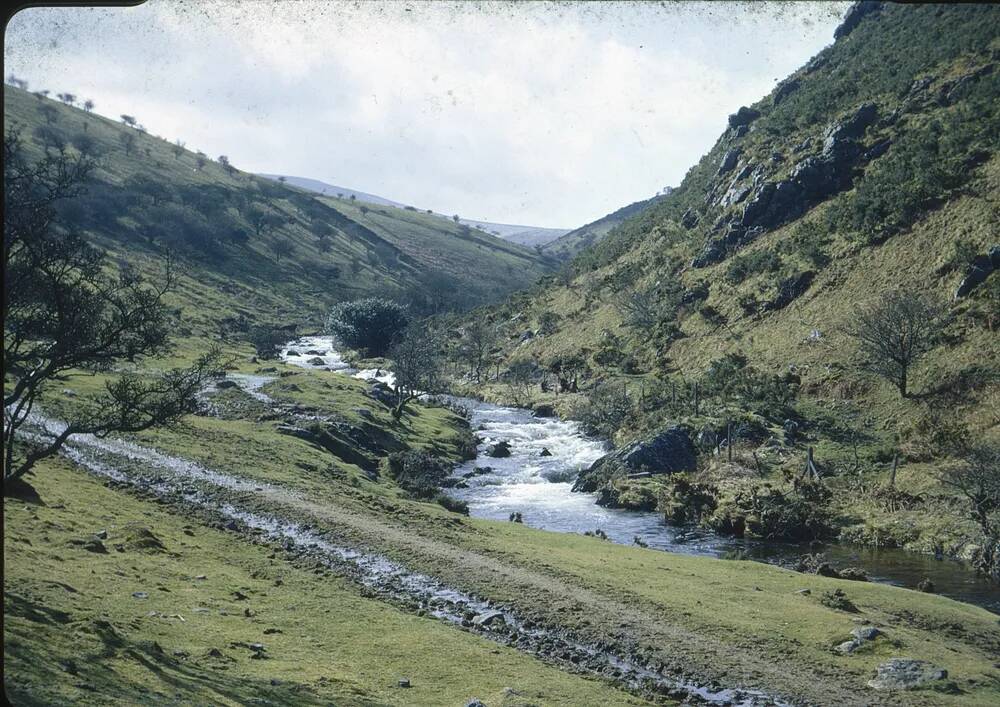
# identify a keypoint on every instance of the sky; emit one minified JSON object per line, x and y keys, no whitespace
{"x":545,"y":114}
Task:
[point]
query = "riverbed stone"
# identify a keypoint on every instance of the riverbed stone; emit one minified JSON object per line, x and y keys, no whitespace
{"x":668,"y":452}
{"x":905,"y":674}
{"x":499,"y":450}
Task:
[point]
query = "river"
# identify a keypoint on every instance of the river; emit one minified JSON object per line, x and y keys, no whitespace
{"x":540,"y":489}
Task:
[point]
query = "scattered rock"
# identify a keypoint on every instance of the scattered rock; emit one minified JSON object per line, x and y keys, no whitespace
{"x":837,"y":599}
{"x":926,"y":585}
{"x":905,"y":674}
{"x":94,"y":545}
{"x":866,"y":633}
{"x":316,"y":361}
{"x":225,"y":383}
{"x":490,"y":618}
{"x":545,"y":452}
{"x":403,"y":682}
{"x":101,"y":535}
{"x":475,"y":703}
{"x":140,"y":595}
{"x":848,"y":647}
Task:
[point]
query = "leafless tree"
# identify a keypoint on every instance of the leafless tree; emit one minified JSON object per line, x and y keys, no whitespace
{"x":417,"y":365}
{"x":88,"y":105}
{"x":477,"y":342}
{"x":178,"y":148}
{"x":893,"y":333}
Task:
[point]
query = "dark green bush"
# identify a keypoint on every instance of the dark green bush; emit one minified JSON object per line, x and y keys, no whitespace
{"x":368,"y":325}
{"x":743,"y":266}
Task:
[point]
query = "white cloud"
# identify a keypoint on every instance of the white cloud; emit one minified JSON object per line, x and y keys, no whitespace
{"x":549,"y":114}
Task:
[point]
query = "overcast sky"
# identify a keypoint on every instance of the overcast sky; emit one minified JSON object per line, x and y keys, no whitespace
{"x":532,"y":113}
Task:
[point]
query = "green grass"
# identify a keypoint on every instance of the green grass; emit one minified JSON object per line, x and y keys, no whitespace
{"x":75,"y":634}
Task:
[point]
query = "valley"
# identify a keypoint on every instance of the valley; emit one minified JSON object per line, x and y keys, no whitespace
{"x":273,"y":441}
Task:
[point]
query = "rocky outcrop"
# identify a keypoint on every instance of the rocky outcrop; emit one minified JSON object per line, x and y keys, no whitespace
{"x":784,"y":90}
{"x":744,"y":116}
{"x":729,"y":161}
{"x":981,"y":268}
{"x":812,"y":180}
{"x":667,"y":452}
{"x":857,"y":12}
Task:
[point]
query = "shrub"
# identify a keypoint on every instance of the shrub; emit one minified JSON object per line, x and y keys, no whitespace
{"x":743,"y":266}
{"x":454,"y":505}
{"x":368,"y":325}
{"x":797,"y":514}
{"x":267,"y":341}
{"x":419,"y":473}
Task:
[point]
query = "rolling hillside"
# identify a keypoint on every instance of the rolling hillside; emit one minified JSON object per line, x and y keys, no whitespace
{"x":523,"y":235}
{"x":248,"y":248}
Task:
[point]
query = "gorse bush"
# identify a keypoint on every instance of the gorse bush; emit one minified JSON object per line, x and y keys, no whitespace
{"x":744,"y":266}
{"x":369,"y":325}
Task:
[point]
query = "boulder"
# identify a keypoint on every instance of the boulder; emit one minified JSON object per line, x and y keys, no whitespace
{"x":668,"y":452}
{"x":689,"y":219}
{"x":544,"y":410}
{"x":545,"y":452}
{"x":489,"y":618}
{"x":223,"y":384}
{"x":499,"y":450}
{"x":905,"y":674}
{"x":854,"y":15}
{"x":981,"y":268}
{"x":866,"y":633}
{"x":744,"y":116}
{"x":729,"y":161}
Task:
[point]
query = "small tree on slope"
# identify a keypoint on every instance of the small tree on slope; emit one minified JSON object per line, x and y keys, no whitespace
{"x":63,"y":311}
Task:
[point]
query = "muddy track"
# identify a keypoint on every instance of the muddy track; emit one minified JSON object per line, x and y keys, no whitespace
{"x":629,"y":642}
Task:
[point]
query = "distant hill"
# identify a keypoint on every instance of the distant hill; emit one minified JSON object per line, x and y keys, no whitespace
{"x":251,"y":249}
{"x":525,"y":235}
{"x":569,"y":244}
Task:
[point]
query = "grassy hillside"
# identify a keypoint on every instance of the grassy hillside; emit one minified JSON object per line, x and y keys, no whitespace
{"x":751,"y":298}
{"x":248,"y":248}
{"x":207,"y":594}
{"x":522,"y":235}
{"x":481,"y":264}
{"x":569,"y":245}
